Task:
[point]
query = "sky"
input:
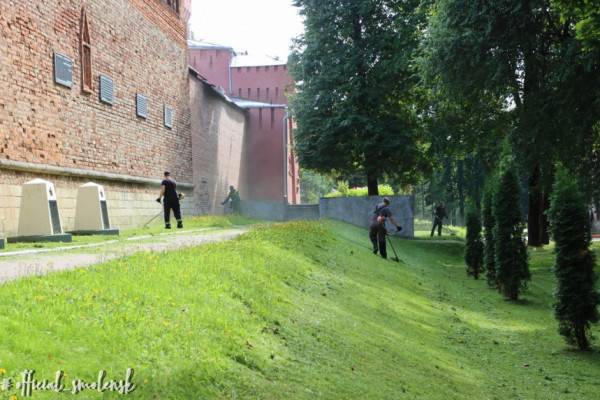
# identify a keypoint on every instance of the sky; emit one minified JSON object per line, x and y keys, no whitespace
{"x":261,"y":27}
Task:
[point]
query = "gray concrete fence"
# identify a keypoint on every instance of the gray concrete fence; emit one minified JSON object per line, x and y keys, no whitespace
{"x":354,"y":210}
{"x":359,"y":211}
{"x":279,"y":211}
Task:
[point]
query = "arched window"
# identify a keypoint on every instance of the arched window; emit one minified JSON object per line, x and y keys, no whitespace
{"x":87,"y":85}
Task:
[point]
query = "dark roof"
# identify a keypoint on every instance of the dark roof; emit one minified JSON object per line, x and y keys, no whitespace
{"x":214,"y":89}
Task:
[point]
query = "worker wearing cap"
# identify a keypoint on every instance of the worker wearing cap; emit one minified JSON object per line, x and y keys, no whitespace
{"x":377,"y":229}
{"x":168,"y":190}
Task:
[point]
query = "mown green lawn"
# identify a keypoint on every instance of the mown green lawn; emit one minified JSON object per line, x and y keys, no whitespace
{"x":449,"y":232}
{"x":155,"y":229}
{"x":295,"y":311}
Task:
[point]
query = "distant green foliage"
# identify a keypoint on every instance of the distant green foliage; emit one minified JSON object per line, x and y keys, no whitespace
{"x":488,"y":234}
{"x":344,"y":191}
{"x":576,"y":296}
{"x":313,"y":186}
{"x":343,"y":188}
{"x":512,"y":270}
{"x":474,"y":247}
{"x":586,"y":16}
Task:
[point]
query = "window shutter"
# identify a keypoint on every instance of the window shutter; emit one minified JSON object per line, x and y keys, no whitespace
{"x":141,"y":106}
{"x":169,"y":116}
{"x":63,"y":70}
{"x":106,"y":90}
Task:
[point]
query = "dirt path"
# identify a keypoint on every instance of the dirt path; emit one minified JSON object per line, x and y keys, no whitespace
{"x":46,"y":262}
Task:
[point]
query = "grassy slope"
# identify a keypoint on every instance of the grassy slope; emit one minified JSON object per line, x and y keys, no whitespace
{"x":298,"y":311}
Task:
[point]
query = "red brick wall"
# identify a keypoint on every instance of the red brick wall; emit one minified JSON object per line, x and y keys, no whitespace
{"x":273,"y":82}
{"x":265,"y":163}
{"x":164,"y":18}
{"x":140,"y":44}
{"x":212,"y":64}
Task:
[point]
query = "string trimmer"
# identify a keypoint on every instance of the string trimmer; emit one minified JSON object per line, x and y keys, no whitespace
{"x":181,"y":196}
{"x":395,"y":258}
{"x":152,"y":219}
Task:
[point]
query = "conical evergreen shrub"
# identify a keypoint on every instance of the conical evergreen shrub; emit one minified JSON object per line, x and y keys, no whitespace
{"x":474,"y":248}
{"x":576,"y":295}
{"x":512,"y":270}
{"x":488,"y":236}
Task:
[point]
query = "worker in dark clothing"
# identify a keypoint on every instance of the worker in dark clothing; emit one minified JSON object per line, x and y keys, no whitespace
{"x":377,"y":229}
{"x":438,"y":219}
{"x":233,"y":198}
{"x":168,"y":191}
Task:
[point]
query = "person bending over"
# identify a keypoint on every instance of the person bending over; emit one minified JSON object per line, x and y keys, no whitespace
{"x":377,"y":229}
{"x":233,"y":198}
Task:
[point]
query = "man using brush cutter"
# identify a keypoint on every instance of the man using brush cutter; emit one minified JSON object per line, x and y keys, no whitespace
{"x":377,"y":229}
{"x":168,"y":191}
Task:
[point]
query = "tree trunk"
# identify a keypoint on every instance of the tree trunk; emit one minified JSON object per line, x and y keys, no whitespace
{"x":372,"y":185}
{"x":545,"y":221}
{"x":422,"y":201}
{"x":534,"y":237}
{"x":580,"y":336}
{"x":461,"y":192}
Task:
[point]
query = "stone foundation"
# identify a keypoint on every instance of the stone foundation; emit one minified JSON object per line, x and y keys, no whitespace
{"x":129,"y":204}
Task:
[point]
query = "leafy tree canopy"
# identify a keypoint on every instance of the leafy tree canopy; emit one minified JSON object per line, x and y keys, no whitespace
{"x":355,"y":79}
{"x":585,"y":14}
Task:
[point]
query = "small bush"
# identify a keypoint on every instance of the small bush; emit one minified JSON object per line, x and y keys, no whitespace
{"x":343,"y":188}
{"x":343,"y":191}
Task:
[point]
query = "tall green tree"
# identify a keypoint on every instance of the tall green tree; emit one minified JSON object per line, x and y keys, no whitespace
{"x":355,"y":88}
{"x":522,"y":55}
{"x":512,"y":269}
{"x":577,"y":298}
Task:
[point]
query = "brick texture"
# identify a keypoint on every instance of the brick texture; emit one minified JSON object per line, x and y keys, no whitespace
{"x":140,"y":44}
{"x":267,"y":83}
{"x":212,"y":64}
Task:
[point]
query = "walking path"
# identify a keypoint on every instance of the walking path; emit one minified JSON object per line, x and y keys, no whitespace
{"x":40,"y":262}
